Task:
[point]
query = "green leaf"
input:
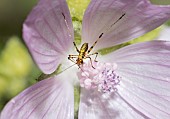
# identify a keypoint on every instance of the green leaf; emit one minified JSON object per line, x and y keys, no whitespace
{"x":77,"y":8}
{"x":168,"y":23}
{"x":77,"y":32}
{"x":76,"y":101}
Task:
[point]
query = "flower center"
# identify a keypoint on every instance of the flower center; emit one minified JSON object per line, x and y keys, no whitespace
{"x":103,"y":78}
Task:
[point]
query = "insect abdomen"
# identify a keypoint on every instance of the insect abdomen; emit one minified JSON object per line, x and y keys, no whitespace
{"x":83,"y":50}
{"x":84,"y":47}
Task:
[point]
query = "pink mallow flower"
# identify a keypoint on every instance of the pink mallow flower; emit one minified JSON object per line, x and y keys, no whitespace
{"x":130,"y":83}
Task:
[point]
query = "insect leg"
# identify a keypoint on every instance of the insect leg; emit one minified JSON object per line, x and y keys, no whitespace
{"x":76,"y":47}
{"x":92,"y":47}
{"x":96,"y":53}
{"x":95,"y":43}
{"x":90,"y":61}
{"x":71,"y":58}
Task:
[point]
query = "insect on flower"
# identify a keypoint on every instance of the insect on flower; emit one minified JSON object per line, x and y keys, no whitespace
{"x":132,"y":82}
{"x":84,"y":52}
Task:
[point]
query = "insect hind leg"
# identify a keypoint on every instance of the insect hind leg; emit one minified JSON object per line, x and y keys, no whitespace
{"x":91,"y":62}
{"x":96,"y":53}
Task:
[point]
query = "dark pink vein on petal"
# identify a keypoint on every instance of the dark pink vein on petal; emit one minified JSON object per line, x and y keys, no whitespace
{"x":128,"y":82}
{"x":28,"y":99}
{"x":49,"y":55}
{"x":141,"y":22}
{"x":121,"y":9}
{"x":91,"y":14}
{"x":46,"y":40}
{"x":145,"y":63}
{"x":139,"y":53}
{"x":128,"y":72}
{"x":52,"y":61}
{"x":132,"y":92}
{"x":62,"y":113}
{"x":31,"y":96}
{"x":153,"y":44}
{"x":47,"y":96}
{"x":65,"y":36}
{"x":104,"y":12}
{"x":136,"y":110}
{"x":60,"y":106}
{"x":59,"y":92}
{"x":57,"y":38}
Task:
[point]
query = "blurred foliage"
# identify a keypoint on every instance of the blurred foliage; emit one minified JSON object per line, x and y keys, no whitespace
{"x":14,"y":56}
{"x":15,"y":66}
{"x":160,"y":2}
{"x":168,"y":23}
{"x":77,"y":8}
{"x":13,"y":14}
{"x":77,"y":31}
{"x":76,"y":101}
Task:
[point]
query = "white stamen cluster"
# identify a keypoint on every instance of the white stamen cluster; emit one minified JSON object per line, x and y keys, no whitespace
{"x":103,"y":78}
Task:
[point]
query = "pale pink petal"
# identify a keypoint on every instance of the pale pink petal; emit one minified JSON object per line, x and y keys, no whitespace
{"x":48,"y":33}
{"x":136,"y":18}
{"x":95,"y":105}
{"x":145,"y":77}
{"x":49,"y":99}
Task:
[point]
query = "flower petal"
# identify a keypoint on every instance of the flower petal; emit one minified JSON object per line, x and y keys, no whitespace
{"x":145,"y":77}
{"x":49,"y":99}
{"x":48,"y":33}
{"x":121,"y":20}
{"x":95,"y":105}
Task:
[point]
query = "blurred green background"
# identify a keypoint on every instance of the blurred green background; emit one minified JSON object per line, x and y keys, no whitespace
{"x":17,"y":70}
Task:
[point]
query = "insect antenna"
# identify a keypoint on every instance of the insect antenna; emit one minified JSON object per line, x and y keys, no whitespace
{"x":45,"y":76}
{"x":66,"y":23}
{"x":103,"y":33}
{"x":66,"y":68}
{"x":72,"y":66}
{"x":108,"y":28}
